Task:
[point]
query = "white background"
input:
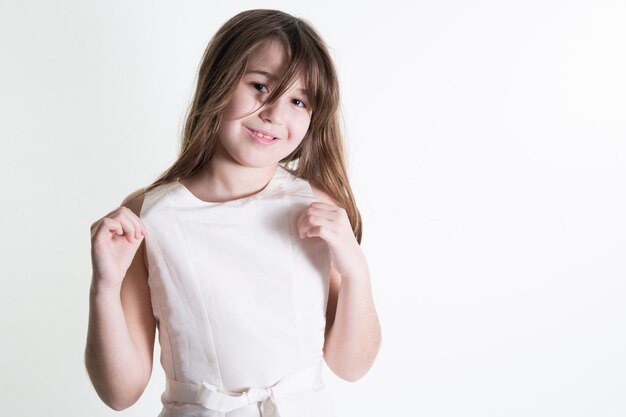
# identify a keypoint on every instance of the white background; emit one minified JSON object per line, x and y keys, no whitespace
{"x":486,"y":145}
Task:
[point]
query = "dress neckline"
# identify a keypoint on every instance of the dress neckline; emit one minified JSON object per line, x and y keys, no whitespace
{"x":280,"y":170}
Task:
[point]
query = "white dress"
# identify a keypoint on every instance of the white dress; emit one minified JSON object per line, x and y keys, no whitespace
{"x":240,"y":302}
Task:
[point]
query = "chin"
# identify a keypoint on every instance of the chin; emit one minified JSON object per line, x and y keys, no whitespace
{"x":257,"y":162}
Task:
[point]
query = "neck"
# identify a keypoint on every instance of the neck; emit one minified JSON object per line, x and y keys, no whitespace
{"x":224,"y":179}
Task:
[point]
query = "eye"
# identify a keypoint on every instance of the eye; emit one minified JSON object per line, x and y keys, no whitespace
{"x":299,"y":103}
{"x":260,"y":87}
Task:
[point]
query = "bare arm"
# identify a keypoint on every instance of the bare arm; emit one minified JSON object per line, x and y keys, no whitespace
{"x":353,"y":334}
{"x":121,"y":332}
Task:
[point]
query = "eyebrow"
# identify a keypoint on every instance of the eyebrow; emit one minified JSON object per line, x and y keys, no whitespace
{"x":272,"y":78}
{"x":266,"y":74}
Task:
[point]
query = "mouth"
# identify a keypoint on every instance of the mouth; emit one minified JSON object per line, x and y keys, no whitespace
{"x":262,"y":134}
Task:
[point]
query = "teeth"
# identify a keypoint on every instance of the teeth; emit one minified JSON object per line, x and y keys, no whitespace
{"x":261,"y":135}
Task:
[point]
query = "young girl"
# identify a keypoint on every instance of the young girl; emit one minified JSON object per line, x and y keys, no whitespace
{"x":245,"y":254}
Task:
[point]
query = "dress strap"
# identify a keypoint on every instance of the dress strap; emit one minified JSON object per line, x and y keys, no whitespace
{"x":213,"y":398}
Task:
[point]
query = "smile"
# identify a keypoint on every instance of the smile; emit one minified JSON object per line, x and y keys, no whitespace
{"x":263,"y":134}
{"x":261,"y":137}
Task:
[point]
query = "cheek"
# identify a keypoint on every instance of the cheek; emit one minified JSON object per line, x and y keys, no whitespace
{"x":303,"y":126}
{"x":240,"y":105}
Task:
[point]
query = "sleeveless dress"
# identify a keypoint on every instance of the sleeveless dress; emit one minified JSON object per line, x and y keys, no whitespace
{"x":239,"y":300}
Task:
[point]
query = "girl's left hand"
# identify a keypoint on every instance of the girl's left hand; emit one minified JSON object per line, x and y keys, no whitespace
{"x":331,"y":223}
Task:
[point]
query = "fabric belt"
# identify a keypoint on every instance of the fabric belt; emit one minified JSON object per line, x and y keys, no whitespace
{"x":213,"y":398}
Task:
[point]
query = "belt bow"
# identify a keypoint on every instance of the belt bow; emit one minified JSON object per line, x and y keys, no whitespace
{"x":214,"y":398}
{"x":211,"y":397}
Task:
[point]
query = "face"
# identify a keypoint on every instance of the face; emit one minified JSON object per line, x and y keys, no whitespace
{"x":271,"y":132}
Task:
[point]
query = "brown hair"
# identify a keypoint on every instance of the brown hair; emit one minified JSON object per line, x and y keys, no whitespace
{"x":320,"y":156}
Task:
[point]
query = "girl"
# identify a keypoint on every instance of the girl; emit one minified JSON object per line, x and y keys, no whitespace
{"x":245,"y":253}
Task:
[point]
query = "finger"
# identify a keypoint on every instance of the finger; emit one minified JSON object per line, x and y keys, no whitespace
{"x":300,"y":220}
{"x":139,"y":228}
{"x":124,"y":216}
{"x":316,"y":226}
{"x":95,"y":226}
{"x":303,"y":224}
{"x":322,"y":212}
{"x":322,"y":204}
{"x":136,"y":224}
{"x":319,"y":221}
{"x":113,"y":225}
{"x":319,"y":231}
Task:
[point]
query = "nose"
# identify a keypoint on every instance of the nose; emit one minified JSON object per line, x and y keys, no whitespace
{"x":272,"y":113}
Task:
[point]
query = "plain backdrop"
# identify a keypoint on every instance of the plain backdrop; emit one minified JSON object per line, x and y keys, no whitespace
{"x":486,"y":145}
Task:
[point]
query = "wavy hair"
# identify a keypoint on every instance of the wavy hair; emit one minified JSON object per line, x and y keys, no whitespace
{"x":320,"y":156}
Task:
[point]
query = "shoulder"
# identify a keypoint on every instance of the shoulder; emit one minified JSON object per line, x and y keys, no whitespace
{"x":321,"y":195}
{"x":134,"y":201}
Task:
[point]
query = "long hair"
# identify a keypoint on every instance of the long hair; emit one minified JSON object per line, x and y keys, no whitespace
{"x":320,"y":156}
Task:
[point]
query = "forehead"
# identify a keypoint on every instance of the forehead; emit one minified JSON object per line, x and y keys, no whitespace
{"x":269,"y":58}
{"x":269,"y":53}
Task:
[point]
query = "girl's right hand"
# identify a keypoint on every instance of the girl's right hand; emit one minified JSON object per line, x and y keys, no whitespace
{"x":115,"y":239}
